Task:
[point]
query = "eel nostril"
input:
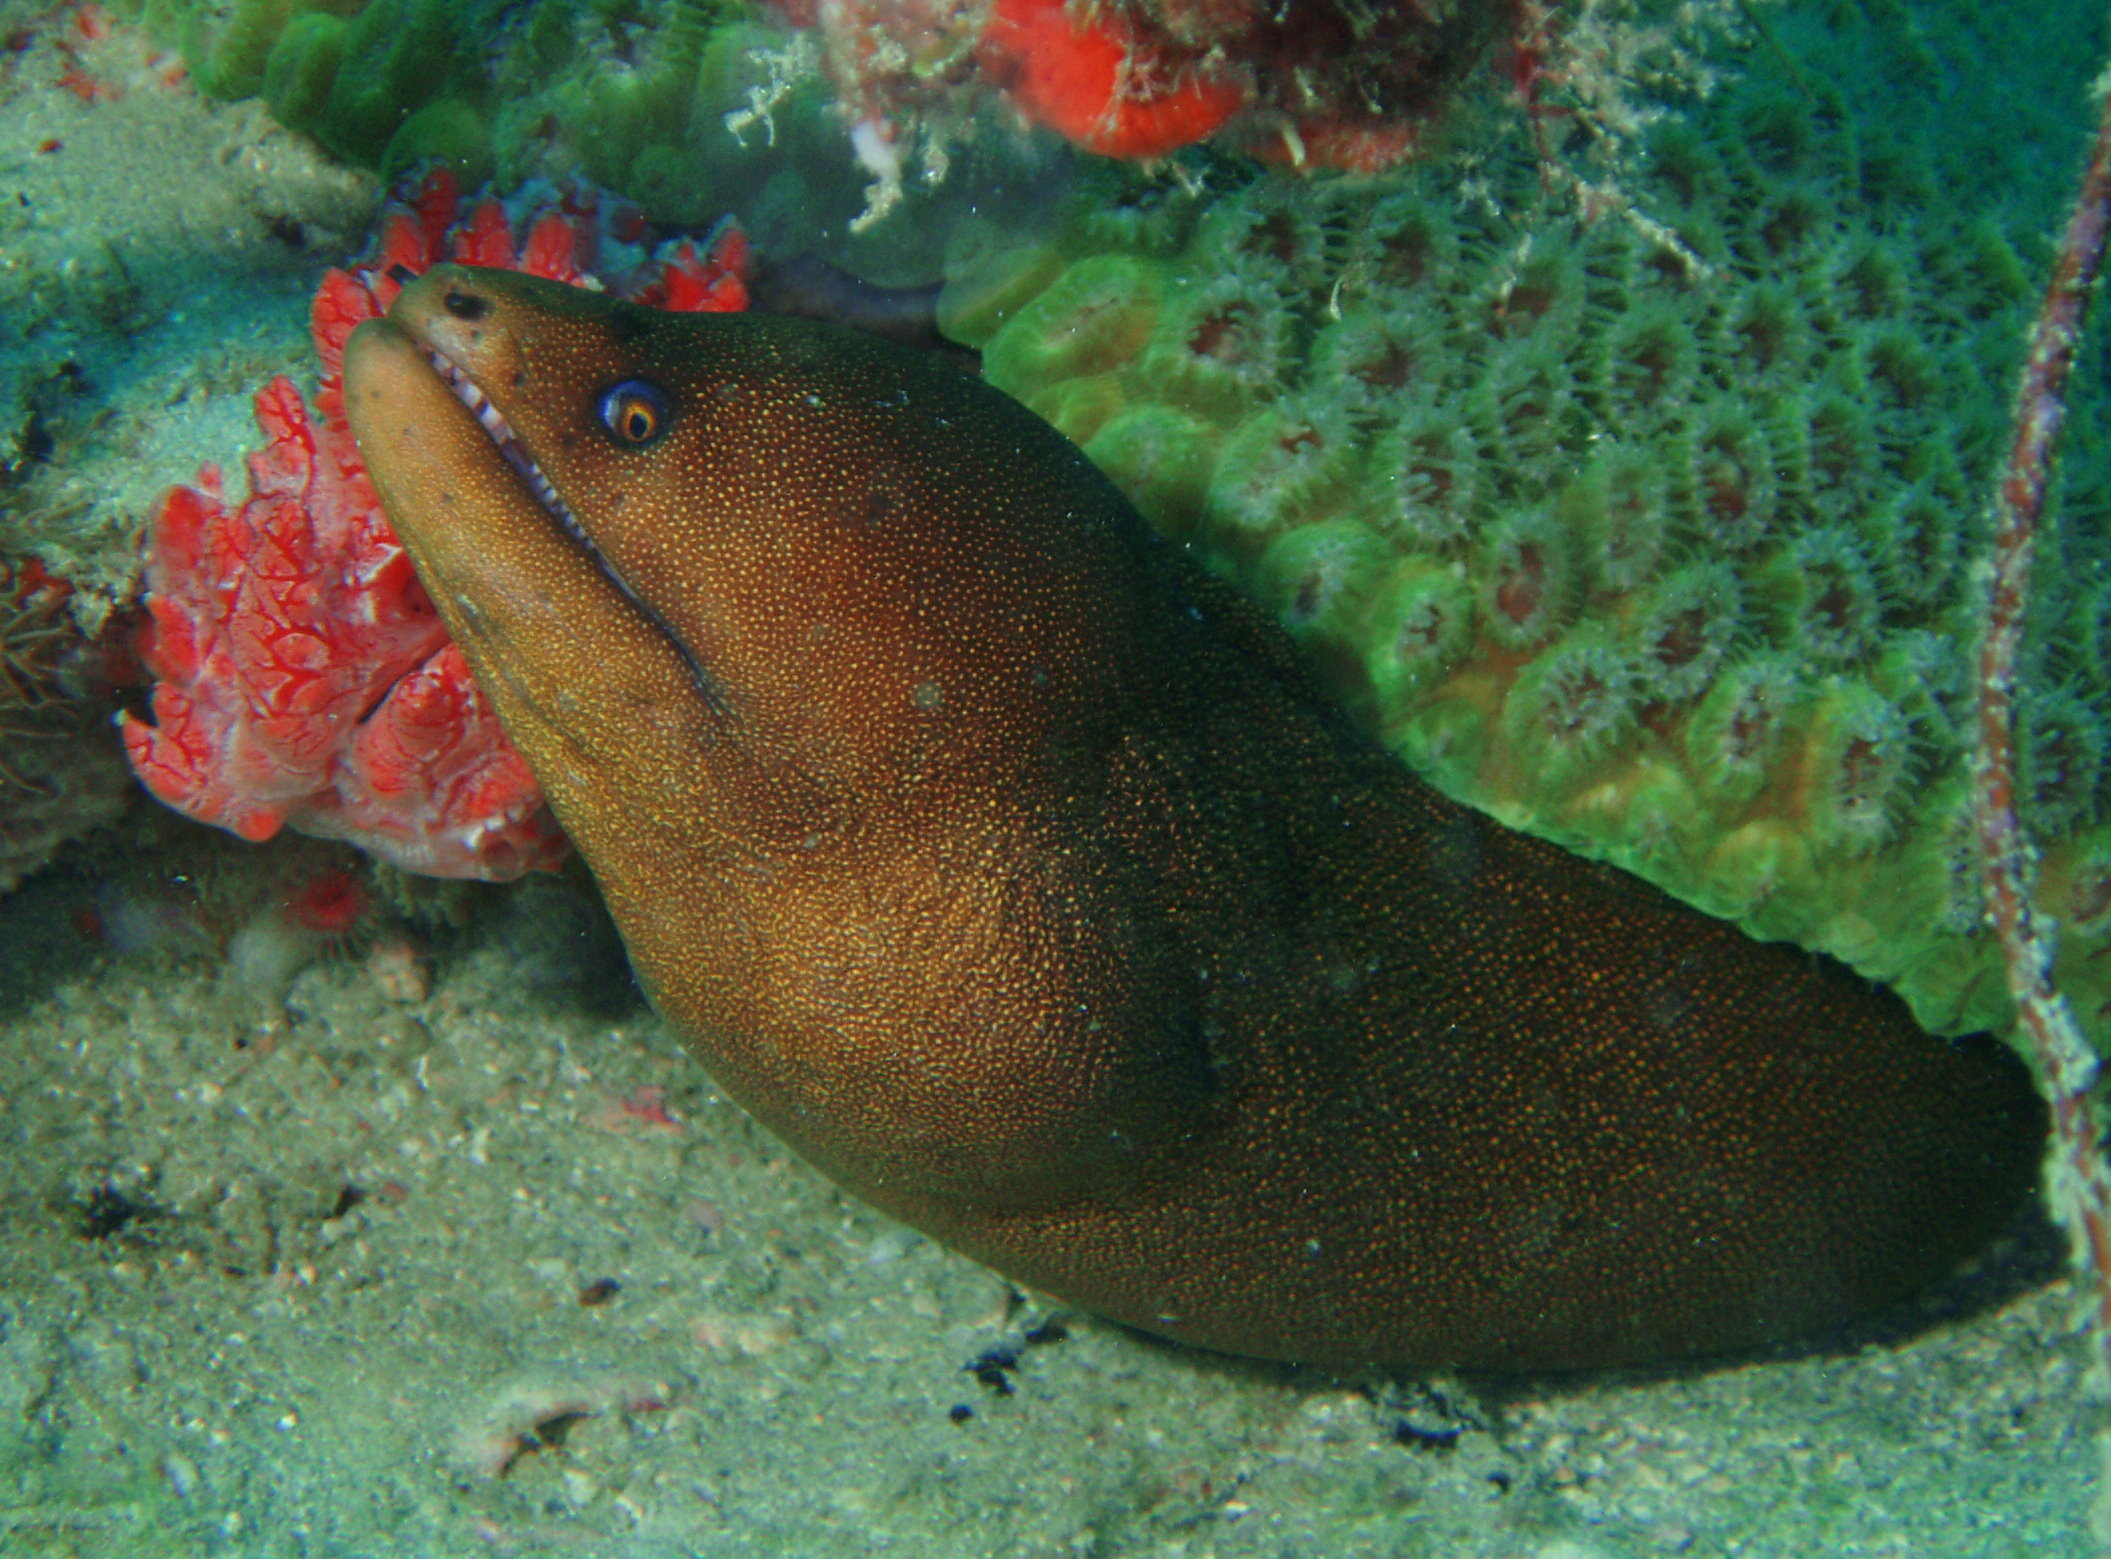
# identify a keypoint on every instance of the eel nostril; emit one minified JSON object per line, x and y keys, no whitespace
{"x":464,"y":305}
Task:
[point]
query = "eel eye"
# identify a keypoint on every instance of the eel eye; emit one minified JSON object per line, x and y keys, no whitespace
{"x":634,"y":412}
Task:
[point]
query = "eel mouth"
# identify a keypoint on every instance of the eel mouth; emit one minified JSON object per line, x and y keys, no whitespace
{"x":515,"y":453}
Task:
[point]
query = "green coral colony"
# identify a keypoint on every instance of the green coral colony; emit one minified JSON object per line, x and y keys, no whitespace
{"x":1650,"y":532}
{"x":620,"y":90}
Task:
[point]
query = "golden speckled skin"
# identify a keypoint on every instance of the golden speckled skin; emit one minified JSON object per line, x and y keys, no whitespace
{"x":1013,"y":873}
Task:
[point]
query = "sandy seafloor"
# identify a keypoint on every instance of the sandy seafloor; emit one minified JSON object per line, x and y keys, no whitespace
{"x":487,"y":1266}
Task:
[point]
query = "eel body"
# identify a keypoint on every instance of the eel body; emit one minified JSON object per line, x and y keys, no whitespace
{"x":1012,"y":871}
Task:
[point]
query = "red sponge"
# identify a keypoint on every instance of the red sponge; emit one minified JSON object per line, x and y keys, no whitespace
{"x":304,"y":679}
{"x":1100,"y":84}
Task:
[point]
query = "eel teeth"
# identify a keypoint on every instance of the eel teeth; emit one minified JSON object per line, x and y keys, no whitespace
{"x":501,"y":433}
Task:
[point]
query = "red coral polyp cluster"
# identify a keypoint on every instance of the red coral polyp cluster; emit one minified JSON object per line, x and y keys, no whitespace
{"x":302,"y":676}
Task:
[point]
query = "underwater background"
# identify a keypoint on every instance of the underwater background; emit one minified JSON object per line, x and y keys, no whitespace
{"x":1611,"y":419}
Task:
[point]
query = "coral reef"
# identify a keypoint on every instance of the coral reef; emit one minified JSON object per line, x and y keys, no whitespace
{"x":691,"y":108}
{"x":60,"y":774}
{"x":1629,"y":496}
{"x":303,"y":678}
{"x":352,"y":75}
{"x":130,"y":201}
{"x":661,"y":99}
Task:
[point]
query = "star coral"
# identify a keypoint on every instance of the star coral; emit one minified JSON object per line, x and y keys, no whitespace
{"x":303,"y":678}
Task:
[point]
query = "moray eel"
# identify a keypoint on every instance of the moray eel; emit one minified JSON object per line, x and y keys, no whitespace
{"x":1013,"y":872}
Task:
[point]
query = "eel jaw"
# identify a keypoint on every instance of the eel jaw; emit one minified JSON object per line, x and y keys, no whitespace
{"x":493,"y":421}
{"x":500,"y":431}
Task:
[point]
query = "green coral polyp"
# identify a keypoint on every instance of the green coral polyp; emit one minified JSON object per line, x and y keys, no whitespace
{"x":232,"y":63}
{"x":1916,"y":542}
{"x":1525,"y":577}
{"x":1405,"y":243}
{"x":1621,"y":515}
{"x":1081,"y":407}
{"x":1287,"y":463}
{"x":2060,"y":766}
{"x":1776,"y":133}
{"x":1686,"y":629}
{"x":997,"y":280}
{"x":1986,"y":278}
{"x":1219,"y":346}
{"x":1860,"y":759}
{"x":1428,"y":484}
{"x":1741,"y":727}
{"x":1373,"y":356}
{"x":1873,"y":284}
{"x":1753,"y":867}
{"x":1547,"y":289}
{"x":391,"y":50}
{"x":448,"y":131}
{"x":2083,"y":898}
{"x":1902,"y":371}
{"x":1823,"y":595}
{"x":1152,"y":212}
{"x":1095,"y":319}
{"x":1735,"y":489}
{"x":1770,"y":336}
{"x":1569,"y":710}
{"x":1945,"y":854}
{"x":1319,"y":580}
{"x":1279,"y":239}
{"x":1792,"y":225}
{"x":1419,"y":627}
{"x":1525,"y":407}
{"x":1162,"y":458}
{"x":303,"y":68}
{"x":1652,"y":361}
{"x":1927,"y":676}
{"x":1841,"y":453}
{"x":1687,"y":167}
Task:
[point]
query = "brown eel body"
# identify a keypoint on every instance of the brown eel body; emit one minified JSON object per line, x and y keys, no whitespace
{"x":1012,"y":871}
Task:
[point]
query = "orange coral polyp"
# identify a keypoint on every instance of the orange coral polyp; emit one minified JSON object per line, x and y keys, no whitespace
{"x":1102,"y":86}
